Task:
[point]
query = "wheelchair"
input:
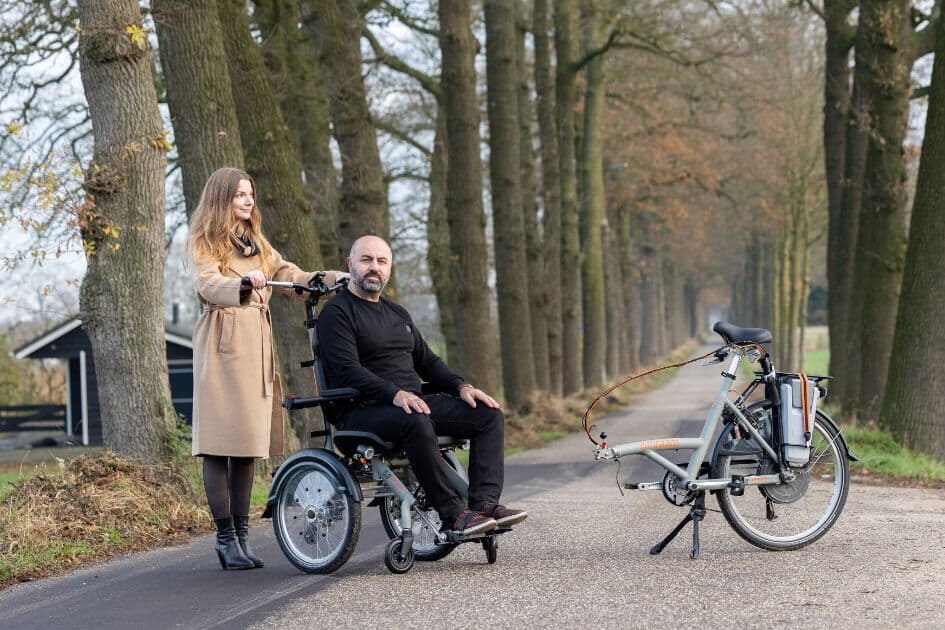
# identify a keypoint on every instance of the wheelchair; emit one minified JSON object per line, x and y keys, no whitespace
{"x":316,"y":494}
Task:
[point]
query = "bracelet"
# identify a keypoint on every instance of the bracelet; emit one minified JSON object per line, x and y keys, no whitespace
{"x":460,"y":388}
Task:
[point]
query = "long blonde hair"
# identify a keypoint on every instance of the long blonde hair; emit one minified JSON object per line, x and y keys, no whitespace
{"x":213,"y":224}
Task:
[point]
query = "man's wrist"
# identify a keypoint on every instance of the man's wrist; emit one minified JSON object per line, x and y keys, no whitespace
{"x":463,"y":386}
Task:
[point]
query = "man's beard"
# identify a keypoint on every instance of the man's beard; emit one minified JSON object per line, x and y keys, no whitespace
{"x":370,"y":284}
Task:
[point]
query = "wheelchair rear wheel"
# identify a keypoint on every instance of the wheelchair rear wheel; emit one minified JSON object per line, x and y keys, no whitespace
{"x":425,"y":547}
{"x":316,"y":522}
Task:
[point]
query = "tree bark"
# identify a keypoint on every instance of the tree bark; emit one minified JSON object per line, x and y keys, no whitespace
{"x":534,"y":247}
{"x":592,"y":216}
{"x":273,"y":161}
{"x":629,"y":291}
{"x":881,"y":246}
{"x":199,"y":93}
{"x":837,"y":92}
{"x":518,"y":368}
{"x":438,"y":236}
{"x":477,"y":348}
{"x":336,"y":27}
{"x":550,"y":193}
{"x":292,"y":59}
{"x":122,"y":225}
{"x":651,"y":324}
{"x":914,"y":398}
{"x":616,"y":312}
{"x":566,"y":88}
{"x":844,"y":343}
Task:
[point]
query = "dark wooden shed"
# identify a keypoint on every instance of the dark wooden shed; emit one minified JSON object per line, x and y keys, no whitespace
{"x":69,"y":342}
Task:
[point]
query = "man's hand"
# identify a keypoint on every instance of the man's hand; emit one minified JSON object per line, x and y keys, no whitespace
{"x":410,"y":402}
{"x":471,"y":394}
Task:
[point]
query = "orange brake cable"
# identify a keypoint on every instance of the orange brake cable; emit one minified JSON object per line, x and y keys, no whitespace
{"x":587,"y":413}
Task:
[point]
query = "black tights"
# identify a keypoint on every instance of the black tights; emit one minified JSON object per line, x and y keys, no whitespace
{"x":228,"y":482}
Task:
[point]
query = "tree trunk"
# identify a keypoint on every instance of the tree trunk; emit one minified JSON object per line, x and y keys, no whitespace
{"x":566,"y":89}
{"x":199,"y":93}
{"x":844,"y":344}
{"x":914,"y":399}
{"x":550,"y":193}
{"x":292,"y":59}
{"x":836,"y":118}
{"x":629,"y":291}
{"x":535,"y":252}
{"x":616,"y":312}
{"x":122,"y":224}
{"x":881,"y":246}
{"x":336,"y":28}
{"x":652,"y":308}
{"x":477,"y":348}
{"x":288,"y":219}
{"x":592,"y":211}
{"x":438,"y":237}
{"x":518,"y":368}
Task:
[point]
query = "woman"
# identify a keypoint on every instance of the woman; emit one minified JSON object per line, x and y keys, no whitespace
{"x":236,"y":417}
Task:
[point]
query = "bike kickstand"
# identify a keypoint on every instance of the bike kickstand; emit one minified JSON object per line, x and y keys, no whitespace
{"x":696,"y":514}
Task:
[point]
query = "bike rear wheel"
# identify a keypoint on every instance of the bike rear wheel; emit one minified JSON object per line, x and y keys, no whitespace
{"x":789,"y":516}
{"x":316,"y":522}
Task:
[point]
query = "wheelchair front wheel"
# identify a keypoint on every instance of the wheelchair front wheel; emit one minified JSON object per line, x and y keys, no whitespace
{"x":316,"y":522}
{"x":425,"y":546}
{"x":491,"y":545}
{"x":394,"y":560}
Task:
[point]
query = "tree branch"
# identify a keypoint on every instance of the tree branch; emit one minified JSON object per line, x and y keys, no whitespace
{"x":401,"y":135}
{"x":593,"y":54}
{"x":397,"y":64}
{"x":409,"y":21}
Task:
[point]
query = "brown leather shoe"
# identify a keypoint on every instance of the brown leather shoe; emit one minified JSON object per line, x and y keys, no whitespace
{"x":504,"y":516}
{"x":469,"y":522}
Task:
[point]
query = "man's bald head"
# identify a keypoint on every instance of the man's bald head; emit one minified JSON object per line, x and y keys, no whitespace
{"x":369,"y":241}
{"x":369,"y":263}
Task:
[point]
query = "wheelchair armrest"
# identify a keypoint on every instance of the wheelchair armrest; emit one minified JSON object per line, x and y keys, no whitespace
{"x":339,"y":394}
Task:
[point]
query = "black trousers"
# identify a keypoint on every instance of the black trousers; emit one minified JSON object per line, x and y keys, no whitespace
{"x":483,"y":426}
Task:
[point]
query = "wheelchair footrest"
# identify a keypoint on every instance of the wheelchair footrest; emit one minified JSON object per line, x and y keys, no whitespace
{"x":459,"y":538}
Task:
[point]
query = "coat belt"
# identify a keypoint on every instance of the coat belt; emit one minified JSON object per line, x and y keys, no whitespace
{"x":265,"y":334}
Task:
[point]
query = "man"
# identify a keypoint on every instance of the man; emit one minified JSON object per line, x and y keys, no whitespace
{"x":370,"y":343}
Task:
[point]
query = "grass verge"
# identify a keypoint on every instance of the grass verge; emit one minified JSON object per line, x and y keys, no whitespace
{"x":91,"y":509}
{"x":885,"y":461}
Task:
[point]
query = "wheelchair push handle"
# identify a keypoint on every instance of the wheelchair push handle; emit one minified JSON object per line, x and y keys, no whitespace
{"x":316,"y":285}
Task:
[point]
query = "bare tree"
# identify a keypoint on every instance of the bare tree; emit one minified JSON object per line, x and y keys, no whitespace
{"x":914,"y":395}
{"x":122,"y":224}
{"x":199,"y":93}
{"x":518,"y":368}
{"x":477,"y":347}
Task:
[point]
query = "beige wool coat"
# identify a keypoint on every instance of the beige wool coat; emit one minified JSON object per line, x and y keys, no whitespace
{"x":237,"y":403}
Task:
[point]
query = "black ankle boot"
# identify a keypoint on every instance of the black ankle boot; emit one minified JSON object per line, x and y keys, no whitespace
{"x":228,"y":548}
{"x":241,"y":523}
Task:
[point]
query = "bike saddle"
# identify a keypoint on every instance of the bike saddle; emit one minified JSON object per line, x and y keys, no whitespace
{"x":738,"y":335}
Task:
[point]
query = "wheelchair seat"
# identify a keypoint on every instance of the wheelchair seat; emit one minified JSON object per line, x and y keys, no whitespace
{"x":348,"y":441}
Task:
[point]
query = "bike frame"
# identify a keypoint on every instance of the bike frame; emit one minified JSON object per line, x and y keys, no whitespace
{"x":687,"y":477}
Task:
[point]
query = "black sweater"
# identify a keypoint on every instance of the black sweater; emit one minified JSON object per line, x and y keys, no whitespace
{"x":376,"y":348}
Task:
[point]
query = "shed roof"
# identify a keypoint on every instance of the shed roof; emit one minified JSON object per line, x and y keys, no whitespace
{"x":174,"y":335}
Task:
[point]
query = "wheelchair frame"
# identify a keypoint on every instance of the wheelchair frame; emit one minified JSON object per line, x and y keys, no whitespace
{"x":366,"y":469}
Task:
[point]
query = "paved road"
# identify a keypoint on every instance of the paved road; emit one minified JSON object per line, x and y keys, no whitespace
{"x":580,"y":559}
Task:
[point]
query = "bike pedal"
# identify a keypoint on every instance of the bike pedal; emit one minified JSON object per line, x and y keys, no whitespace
{"x":643,"y":485}
{"x":737,"y":486}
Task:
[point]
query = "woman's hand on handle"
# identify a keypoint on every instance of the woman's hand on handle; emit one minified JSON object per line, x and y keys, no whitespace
{"x":257,"y":278}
